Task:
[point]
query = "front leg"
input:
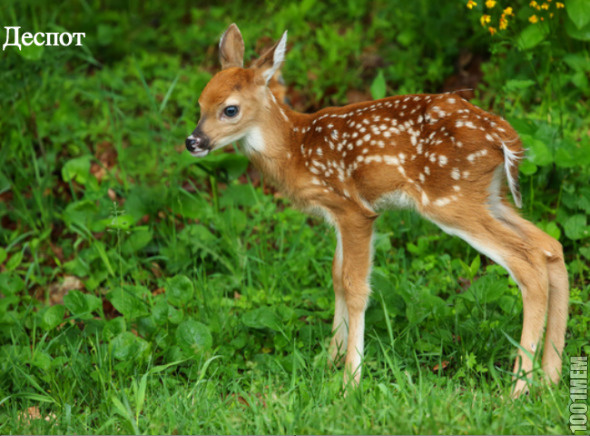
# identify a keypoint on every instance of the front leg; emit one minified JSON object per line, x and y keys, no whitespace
{"x":340,"y":326}
{"x":356,"y":231}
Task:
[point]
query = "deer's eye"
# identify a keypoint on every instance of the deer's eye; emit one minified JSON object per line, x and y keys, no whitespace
{"x":231,"y":111}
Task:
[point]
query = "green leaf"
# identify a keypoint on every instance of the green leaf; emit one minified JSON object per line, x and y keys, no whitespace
{"x":160,"y":312}
{"x":236,"y":219}
{"x":143,"y":200}
{"x":126,"y":346}
{"x":538,"y":152}
{"x":582,"y":34}
{"x":382,"y":242}
{"x":32,"y":52}
{"x":578,"y":11}
{"x":128,"y":300}
{"x":77,"y":169}
{"x":515,"y":85}
{"x":527,"y":167}
{"x":140,"y":396}
{"x":158,"y":369}
{"x":82,"y":213}
{"x":532,"y":36}
{"x":378,"y":87}
{"x":81,"y":305}
{"x":406,"y":37}
{"x":190,"y":206}
{"x":3,"y":255}
{"x":10,"y":283}
{"x":566,"y":154}
{"x":575,"y":227}
{"x":120,"y":222}
{"x":194,"y":335}
{"x":14,"y":261}
{"x":125,"y":412}
{"x":175,"y":316}
{"x":113,"y":328}
{"x":100,"y":249}
{"x":197,"y":236}
{"x":580,"y":80}
{"x":577,"y":62}
{"x":4,"y":183}
{"x":53,"y":317}
{"x":424,"y":304}
{"x":263,"y":317}
{"x":583,"y":202}
{"x":238,"y":195}
{"x":179,"y":290}
{"x":474,"y":267}
{"x":230,"y":165}
{"x":137,"y":241}
{"x":551,"y":229}
{"x":42,"y":360}
{"x":485,"y":290}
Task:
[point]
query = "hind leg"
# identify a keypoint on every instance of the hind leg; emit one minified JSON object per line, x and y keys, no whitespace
{"x":524,"y":260}
{"x":557,"y":315}
{"x":558,"y":292}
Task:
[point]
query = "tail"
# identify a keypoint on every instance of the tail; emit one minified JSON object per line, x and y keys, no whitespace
{"x":511,"y":161}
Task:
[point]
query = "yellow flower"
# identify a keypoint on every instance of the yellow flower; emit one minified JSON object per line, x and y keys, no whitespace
{"x":485,"y":19}
{"x":503,"y":23}
{"x":533,"y":19}
{"x":545,"y":6}
{"x":551,"y":15}
{"x":508,"y":11}
{"x":471,"y":4}
{"x":559,"y":5}
{"x":490,"y":3}
{"x":492,"y":30}
{"x":533,"y":4}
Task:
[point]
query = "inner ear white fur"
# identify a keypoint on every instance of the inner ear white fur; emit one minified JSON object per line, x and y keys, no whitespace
{"x":233,"y":28}
{"x":277,"y":58}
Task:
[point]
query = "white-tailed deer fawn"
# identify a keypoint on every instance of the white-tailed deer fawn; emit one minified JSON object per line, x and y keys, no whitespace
{"x":437,"y":154}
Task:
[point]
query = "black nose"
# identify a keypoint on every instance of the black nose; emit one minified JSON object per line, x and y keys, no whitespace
{"x":197,"y":142}
{"x":192,"y":143}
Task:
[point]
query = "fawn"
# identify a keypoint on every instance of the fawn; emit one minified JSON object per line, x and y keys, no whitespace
{"x":435,"y":153}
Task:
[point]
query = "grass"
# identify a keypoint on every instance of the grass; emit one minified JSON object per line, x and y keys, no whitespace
{"x":306,"y":399}
{"x":144,"y":291}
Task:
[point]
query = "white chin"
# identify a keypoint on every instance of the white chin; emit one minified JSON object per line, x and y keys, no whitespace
{"x":200,"y":153}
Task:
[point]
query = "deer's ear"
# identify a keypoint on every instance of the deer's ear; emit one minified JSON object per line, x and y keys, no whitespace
{"x":271,"y":60}
{"x":231,"y":48}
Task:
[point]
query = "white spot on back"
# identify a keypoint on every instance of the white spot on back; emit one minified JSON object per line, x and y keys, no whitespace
{"x":394,"y":200}
{"x":425,"y":200}
{"x":442,"y":201}
{"x":391,"y":160}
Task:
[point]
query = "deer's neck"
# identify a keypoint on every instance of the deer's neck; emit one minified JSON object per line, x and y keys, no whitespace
{"x":272,"y":145}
